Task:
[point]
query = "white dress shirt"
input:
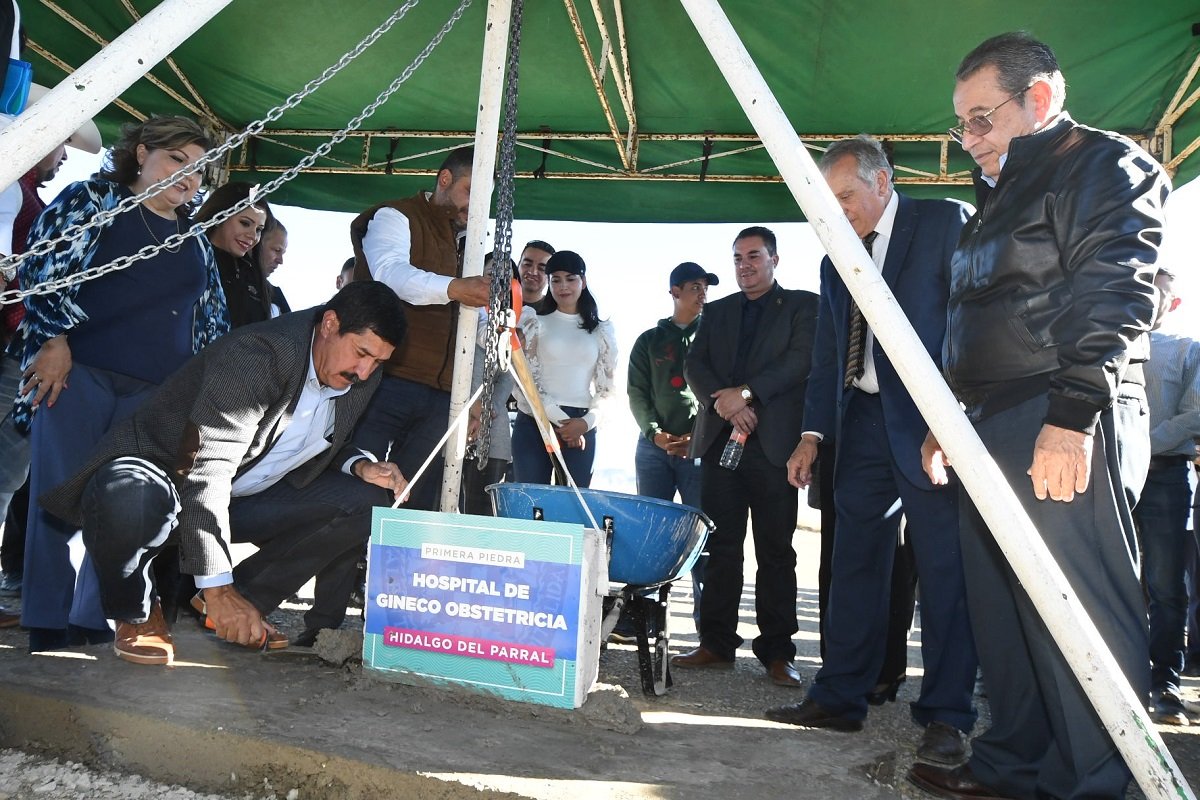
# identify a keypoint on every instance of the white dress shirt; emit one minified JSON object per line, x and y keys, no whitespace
{"x":869,"y":381}
{"x":305,"y":437}
{"x":387,"y":245}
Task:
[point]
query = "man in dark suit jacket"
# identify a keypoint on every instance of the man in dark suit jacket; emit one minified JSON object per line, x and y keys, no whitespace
{"x":246,"y":442}
{"x":748,"y":366}
{"x":879,"y":431}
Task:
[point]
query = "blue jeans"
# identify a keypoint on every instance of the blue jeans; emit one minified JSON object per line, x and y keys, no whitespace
{"x":661,"y":475}
{"x":531,"y":462}
{"x":1193,"y":577}
{"x":1161,"y":517}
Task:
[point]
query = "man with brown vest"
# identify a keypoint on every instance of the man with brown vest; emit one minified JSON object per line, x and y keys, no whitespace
{"x":412,"y":245}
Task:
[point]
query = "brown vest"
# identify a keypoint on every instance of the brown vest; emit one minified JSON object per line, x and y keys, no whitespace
{"x":426,"y":355}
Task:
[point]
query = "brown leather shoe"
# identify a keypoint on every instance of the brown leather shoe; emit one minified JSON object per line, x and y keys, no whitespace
{"x":783,"y":673}
{"x":957,"y":784}
{"x":808,"y":714}
{"x":146,"y":642}
{"x":8,"y":620}
{"x":701,"y":657}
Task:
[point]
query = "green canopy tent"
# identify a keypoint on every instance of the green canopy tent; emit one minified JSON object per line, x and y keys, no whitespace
{"x":842,"y":78}
{"x":622,"y":111}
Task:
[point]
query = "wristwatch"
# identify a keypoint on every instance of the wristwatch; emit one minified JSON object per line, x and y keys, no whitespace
{"x":747,"y":395}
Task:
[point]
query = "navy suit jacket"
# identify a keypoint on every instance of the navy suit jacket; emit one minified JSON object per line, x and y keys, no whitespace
{"x":917,"y":269}
{"x":776,"y":368}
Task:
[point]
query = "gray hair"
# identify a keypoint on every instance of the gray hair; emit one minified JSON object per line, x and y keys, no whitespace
{"x":867,"y":153}
{"x":1020,"y":60}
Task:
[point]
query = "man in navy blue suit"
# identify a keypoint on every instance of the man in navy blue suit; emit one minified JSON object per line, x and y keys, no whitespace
{"x":855,"y":395}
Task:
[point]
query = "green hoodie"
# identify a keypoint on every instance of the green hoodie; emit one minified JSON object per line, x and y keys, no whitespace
{"x":658,"y":394}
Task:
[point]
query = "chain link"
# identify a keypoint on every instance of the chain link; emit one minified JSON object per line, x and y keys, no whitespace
{"x":501,"y":288}
{"x":10,"y":264}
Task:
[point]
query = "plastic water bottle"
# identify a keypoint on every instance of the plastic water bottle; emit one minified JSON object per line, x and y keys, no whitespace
{"x":731,"y":456}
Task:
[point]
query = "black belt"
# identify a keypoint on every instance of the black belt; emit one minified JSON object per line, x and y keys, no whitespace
{"x":1168,"y":461}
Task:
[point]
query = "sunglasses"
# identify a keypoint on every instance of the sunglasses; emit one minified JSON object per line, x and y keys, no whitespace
{"x":981,"y":124}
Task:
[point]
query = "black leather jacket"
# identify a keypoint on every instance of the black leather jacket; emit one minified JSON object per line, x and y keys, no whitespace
{"x":1052,"y":282}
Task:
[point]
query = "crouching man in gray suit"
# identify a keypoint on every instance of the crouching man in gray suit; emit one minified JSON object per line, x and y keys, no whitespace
{"x":247,"y":442}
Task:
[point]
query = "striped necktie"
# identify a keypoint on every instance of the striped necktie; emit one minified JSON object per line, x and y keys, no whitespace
{"x":857,"y":343}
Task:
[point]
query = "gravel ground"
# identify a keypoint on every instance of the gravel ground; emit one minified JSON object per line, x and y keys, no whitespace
{"x":28,"y":777}
{"x":742,"y":693}
{"x":890,"y":736}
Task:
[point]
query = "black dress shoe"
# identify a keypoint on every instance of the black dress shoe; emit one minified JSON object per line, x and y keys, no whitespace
{"x":807,"y":714}
{"x":306,"y":638}
{"x":885,"y":692}
{"x":783,"y":673}
{"x":942,"y":744}
{"x":1168,"y":710}
{"x":957,"y":784}
{"x":701,"y":657}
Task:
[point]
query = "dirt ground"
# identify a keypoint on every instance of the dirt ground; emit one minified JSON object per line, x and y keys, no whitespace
{"x":238,"y":724}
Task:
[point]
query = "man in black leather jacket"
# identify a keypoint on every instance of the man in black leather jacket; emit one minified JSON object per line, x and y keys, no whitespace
{"x":1051,"y":299}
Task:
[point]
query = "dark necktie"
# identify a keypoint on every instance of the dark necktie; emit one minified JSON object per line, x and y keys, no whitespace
{"x":857,"y":343}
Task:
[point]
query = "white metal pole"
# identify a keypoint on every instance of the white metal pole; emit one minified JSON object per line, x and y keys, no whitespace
{"x":487,"y":127}
{"x":87,"y":90}
{"x":1122,"y":712}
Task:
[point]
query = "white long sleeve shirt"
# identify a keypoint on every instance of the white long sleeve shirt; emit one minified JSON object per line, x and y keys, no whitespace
{"x":387,"y":245}
{"x":570,"y":366}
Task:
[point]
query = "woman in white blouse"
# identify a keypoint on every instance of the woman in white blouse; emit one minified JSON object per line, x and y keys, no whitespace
{"x":572,"y":354}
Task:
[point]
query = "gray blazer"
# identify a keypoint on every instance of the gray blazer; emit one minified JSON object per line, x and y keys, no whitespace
{"x":215,"y":418}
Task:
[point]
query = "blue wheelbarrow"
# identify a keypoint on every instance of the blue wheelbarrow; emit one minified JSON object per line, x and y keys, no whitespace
{"x":651,"y":543}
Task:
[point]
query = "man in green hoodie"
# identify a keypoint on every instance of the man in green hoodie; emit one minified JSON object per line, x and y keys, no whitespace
{"x":662,"y":403}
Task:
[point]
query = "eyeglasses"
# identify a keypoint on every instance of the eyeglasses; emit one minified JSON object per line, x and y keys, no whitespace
{"x":981,"y":124}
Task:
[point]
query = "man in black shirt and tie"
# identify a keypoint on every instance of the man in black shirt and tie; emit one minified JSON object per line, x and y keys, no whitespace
{"x":748,"y":366}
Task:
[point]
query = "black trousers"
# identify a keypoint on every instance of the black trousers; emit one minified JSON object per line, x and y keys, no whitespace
{"x":759,"y":488}
{"x":130,"y":508}
{"x":475,"y":499}
{"x":402,"y":424}
{"x":1045,"y":739}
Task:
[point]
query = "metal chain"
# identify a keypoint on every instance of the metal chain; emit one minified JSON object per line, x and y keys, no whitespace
{"x":9,"y":265}
{"x":176,"y":239}
{"x":501,"y":288}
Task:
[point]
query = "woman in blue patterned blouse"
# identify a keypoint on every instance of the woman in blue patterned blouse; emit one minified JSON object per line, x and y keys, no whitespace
{"x":91,"y":352}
